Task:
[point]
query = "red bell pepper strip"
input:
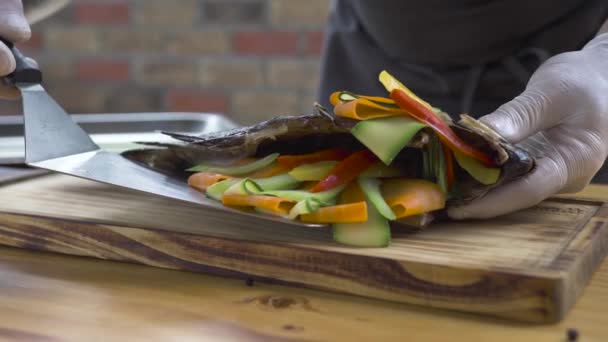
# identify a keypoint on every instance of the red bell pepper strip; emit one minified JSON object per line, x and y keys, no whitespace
{"x":293,"y":161}
{"x":446,"y":135}
{"x":346,"y":170}
{"x":449,"y":165}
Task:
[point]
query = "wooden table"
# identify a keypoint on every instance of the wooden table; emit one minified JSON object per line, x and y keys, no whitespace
{"x":46,"y":297}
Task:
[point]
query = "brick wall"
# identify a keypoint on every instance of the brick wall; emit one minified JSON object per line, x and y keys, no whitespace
{"x":249,"y":59}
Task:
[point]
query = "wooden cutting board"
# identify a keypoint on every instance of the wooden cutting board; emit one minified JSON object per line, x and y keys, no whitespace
{"x":527,"y":266}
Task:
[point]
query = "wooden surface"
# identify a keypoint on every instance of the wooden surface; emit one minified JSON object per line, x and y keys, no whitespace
{"x":528,"y":266}
{"x":47,"y":297}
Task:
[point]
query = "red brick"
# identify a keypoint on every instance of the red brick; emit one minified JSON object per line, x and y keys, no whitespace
{"x":102,"y":71}
{"x":314,"y":43}
{"x":266,"y":43}
{"x":101,"y":13}
{"x":196,"y":101}
{"x":34,"y":43}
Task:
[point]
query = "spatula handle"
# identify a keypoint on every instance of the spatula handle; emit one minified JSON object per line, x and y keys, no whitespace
{"x":25,"y":70}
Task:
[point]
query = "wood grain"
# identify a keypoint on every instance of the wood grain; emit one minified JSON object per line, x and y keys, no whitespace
{"x":48,"y":297}
{"x":529,"y":266}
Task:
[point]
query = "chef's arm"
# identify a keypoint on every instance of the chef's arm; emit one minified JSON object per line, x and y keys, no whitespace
{"x":564,"y":110}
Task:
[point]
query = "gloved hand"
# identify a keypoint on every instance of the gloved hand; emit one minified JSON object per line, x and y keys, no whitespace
{"x":15,"y":28}
{"x":566,"y":103}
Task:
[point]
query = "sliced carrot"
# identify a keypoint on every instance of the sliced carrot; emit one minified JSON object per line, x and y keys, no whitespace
{"x":270,"y":203}
{"x":293,"y":161}
{"x":202,"y":180}
{"x":364,"y":109}
{"x":341,"y":213}
{"x":408,"y":197}
{"x":347,"y":170}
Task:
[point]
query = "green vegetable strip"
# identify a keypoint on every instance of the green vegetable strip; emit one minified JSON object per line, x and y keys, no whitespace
{"x":244,"y":187}
{"x":371,"y":189}
{"x":426,"y":164}
{"x":237,"y":170}
{"x":328,"y":196}
{"x":442,"y":180}
{"x":216,"y":191}
{"x":279,"y":182}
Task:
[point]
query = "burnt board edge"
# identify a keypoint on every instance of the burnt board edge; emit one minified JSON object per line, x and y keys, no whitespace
{"x":583,"y":256}
{"x":524,"y":297}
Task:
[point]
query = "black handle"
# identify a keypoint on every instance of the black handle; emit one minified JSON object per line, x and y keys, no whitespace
{"x":25,"y":71}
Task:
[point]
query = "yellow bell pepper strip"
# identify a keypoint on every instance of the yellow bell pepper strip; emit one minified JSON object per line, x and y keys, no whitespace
{"x":391,"y":83}
{"x":341,"y":213}
{"x":347,"y":170}
{"x":270,"y":203}
{"x":202,"y":180}
{"x":408,"y":197}
{"x":293,"y":161}
{"x":445,"y":133}
{"x":484,"y":175}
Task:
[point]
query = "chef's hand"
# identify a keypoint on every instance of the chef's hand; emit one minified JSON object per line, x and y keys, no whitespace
{"x":15,"y":28}
{"x":566,"y":100}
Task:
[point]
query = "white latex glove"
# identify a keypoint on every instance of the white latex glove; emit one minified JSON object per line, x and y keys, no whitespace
{"x":566,"y":100}
{"x":15,"y":28}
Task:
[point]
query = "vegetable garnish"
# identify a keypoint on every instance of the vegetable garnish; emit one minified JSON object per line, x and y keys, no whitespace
{"x":404,"y":168}
{"x":347,"y":170}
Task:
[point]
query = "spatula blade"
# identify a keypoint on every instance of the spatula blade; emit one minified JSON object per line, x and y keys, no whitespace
{"x":49,"y":131}
{"x":110,"y":168}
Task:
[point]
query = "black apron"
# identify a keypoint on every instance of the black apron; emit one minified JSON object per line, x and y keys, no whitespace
{"x":463,"y":56}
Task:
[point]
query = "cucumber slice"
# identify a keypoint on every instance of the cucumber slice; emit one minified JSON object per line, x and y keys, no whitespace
{"x":371,"y":189}
{"x":328,"y":196}
{"x":216,"y":191}
{"x":376,"y":232}
{"x":255,"y":186}
{"x":386,"y":137}
{"x":313,"y":172}
{"x":307,"y":206}
{"x":237,"y":170}
{"x":278,"y":182}
{"x":481,"y":173}
{"x":244,"y":187}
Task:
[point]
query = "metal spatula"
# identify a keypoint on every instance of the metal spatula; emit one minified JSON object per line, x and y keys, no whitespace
{"x":54,"y":142}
